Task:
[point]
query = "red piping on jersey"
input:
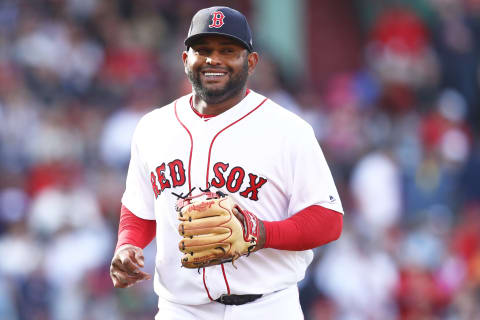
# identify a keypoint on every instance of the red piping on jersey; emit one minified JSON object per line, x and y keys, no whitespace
{"x":191,"y":146}
{"x":205,"y":117}
{"x":205,"y":285}
{"x":207,"y":184}
{"x":225,"y":277}
{"x":218,"y":133}
{"x":189,"y":179}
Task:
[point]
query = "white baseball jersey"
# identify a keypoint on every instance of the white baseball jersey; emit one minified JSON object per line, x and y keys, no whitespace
{"x":262,"y":155}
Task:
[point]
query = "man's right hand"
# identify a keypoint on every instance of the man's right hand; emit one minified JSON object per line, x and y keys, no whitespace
{"x":125,"y":267}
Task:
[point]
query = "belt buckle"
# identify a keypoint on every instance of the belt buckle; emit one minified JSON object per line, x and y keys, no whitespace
{"x":221,"y":298}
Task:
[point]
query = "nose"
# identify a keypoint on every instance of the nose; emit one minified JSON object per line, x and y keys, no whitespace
{"x":213,"y":60}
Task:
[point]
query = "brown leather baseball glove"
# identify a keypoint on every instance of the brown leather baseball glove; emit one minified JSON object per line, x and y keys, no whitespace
{"x":214,"y":229}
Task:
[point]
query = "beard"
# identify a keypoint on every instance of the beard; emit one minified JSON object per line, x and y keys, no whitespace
{"x":233,"y":87}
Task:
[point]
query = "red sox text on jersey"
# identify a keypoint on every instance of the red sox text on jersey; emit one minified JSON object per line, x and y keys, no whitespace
{"x":231,"y":179}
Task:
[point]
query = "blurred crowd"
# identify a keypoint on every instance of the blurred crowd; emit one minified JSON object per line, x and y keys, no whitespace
{"x":400,"y":134}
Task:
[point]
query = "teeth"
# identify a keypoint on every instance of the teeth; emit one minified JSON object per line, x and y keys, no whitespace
{"x":213,"y":74}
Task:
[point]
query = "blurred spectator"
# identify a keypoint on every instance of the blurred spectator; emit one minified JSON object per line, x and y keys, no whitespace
{"x":456,"y":42}
{"x":377,"y":197}
{"x":66,"y":203}
{"x":359,"y":277}
{"x":118,"y":129}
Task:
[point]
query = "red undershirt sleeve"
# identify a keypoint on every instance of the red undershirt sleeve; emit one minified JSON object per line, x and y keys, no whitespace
{"x":308,"y":229}
{"x":134,"y":230}
{"x":312,"y":227}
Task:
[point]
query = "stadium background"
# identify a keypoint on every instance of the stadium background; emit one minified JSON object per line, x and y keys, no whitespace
{"x":390,"y":87}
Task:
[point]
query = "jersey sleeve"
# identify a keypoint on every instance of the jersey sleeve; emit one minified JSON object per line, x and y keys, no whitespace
{"x":311,"y":182}
{"x":138,"y":195}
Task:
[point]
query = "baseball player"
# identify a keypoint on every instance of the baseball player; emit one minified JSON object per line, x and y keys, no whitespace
{"x":234,"y":187}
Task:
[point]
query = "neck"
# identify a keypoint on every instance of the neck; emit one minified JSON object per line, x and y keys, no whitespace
{"x":204,"y":107}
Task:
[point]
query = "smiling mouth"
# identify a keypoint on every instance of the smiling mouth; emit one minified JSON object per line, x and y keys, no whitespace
{"x":213,"y":75}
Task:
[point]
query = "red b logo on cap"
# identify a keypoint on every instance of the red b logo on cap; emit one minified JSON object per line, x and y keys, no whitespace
{"x":217,"y":19}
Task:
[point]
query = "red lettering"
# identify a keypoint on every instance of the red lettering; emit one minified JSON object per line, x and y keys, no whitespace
{"x":234,"y":178}
{"x":254,"y":186}
{"x":153,"y":180}
{"x":164,"y":183}
{"x":219,"y":180}
{"x":177,"y":173}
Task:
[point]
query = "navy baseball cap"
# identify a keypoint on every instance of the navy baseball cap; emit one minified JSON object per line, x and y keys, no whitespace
{"x":223,"y":21}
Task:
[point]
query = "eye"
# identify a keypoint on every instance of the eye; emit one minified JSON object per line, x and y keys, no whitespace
{"x":201,"y":51}
{"x":227,"y":50}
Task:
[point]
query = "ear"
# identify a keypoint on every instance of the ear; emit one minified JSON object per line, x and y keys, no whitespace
{"x":252,"y":62}
{"x":185,"y":60}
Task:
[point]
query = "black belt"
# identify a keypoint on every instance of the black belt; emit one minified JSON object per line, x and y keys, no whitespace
{"x":237,"y":299}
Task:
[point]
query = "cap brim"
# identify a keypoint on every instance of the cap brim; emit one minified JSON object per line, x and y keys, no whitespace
{"x":190,"y":39}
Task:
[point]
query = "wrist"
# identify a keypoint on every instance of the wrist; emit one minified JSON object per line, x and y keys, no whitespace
{"x":261,"y":236}
{"x":125,"y":246}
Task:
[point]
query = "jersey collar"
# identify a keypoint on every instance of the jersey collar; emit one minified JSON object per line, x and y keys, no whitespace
{"x":193,"y":118}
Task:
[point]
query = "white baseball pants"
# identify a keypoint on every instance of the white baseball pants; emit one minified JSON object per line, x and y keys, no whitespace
{"x":283,"y":304}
